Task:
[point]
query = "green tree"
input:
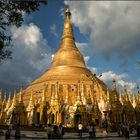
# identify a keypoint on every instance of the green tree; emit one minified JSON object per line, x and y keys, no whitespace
{"x":11,"y":13}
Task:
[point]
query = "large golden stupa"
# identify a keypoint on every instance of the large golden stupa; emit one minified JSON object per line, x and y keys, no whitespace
{"x":68,"y":81}
{"x":68,"y":93}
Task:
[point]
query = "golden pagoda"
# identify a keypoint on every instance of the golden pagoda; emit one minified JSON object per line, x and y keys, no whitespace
{"x":67,"y":93}
{"x":67,"y":83}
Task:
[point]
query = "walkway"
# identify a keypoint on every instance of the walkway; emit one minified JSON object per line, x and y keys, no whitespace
{"x":30,"y":135}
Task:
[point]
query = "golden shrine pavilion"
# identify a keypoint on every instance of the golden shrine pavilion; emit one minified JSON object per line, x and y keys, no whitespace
{"x":69,"y":93}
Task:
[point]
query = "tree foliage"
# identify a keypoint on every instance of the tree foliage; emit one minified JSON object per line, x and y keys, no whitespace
{"x":11,"y":13}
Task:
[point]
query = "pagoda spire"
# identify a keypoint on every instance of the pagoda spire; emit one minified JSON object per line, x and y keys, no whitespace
{"x":108,"y":95}
{"x":108,"y":106}
{"x":8,"y":102}
{"x":20,"y":96}
{"x":67,"y":31}
{"x":114,"y":85}
{"x":134,"y":101}
{"x":68,"y":49}
{"x":121,"y":98}
{"x":126,"y":93}
{"x":115,"y":91}
{"x":4,"y":101}
{"x":31,"y":102}
{"x":14,"y":101}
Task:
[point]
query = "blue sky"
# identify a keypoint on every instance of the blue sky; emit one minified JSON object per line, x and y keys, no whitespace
{"x":107,"y":34}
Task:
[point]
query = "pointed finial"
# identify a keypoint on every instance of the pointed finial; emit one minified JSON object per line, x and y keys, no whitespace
{"x":4,"y":97}
{"x":114,"y":84}
{"x":9,"y":95}
{"x":68,"y":13}
{"x":8,"y":102}
{"x":108,"y":96}
{"x":14,"y":99}
{"x":125,"y":89}
{"x":4,"y":101}
{"x":67,"y":31}
{"x":20,"y":96}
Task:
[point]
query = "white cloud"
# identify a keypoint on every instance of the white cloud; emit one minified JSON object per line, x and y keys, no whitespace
{"x":54,"y":30}
{"x":86,"y":58}
{"x":108,"y":76}
{"x":130,"y":85}
{"x":52,"y":56}
{"x":83,"y":48}
{"x":93,"y":70}
{"x":31,"y":56}
{"x":113,"y":26}
{"x":30,"y":36}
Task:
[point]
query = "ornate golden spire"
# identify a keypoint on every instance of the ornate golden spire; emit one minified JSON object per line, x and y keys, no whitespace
{"x":14,"y":101}
{"x":31,"y":102}
{"x":134,"y":101}
{"x":108,"y":95}
{"x":114,"y":85}
{"x":116,"y":98}
{"x":8,"y":102}
{"x":126,"y":93}
{"x":20,"y":96}
{"x":121,"y":98}
{"x":68,"y":54}
{"x":4,"y":101}
{"x":67,"y":32}
{"x":14,"y":104}
{"x":125,"y":89}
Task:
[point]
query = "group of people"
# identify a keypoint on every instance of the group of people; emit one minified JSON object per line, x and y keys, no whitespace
{"x":9,"y":130}
{"x":55,"y":132}
{"x":91,"y":130}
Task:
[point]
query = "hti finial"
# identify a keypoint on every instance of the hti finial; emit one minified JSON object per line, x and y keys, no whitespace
{"x":68,"y":13}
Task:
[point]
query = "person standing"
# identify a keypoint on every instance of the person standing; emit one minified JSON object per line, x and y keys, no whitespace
{"x":94,"y":130}
{"x":49,"y":131}
{"x":17,"y":132}
{"x":90,"y":130}
{"x":7,"y":134}
{"x":138,"y":129}
{"x":127,"y":132}
{"x":80,"y":128}
{"x":61,"y":130}
{"x":55,"y":134}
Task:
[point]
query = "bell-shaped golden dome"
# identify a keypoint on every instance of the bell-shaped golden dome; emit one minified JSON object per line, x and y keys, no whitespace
{"x":68,"y":62}
{"x":67,"y":68}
